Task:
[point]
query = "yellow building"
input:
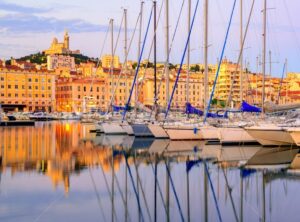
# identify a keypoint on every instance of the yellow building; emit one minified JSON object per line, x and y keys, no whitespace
{"x":108,"y":60}
{"x":61,"y":47}
{"x":27,"y":90}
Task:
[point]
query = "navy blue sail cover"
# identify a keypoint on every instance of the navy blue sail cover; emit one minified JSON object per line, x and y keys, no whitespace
{"x":249,"y":108}
{"x":189,"y":109}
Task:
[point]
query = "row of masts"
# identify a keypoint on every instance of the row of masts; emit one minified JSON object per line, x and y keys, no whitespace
{"x":167,"y":51}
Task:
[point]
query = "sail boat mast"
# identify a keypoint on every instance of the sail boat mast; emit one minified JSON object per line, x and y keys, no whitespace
{"x":138,"y":53}
{"x":205,"y":53}
{"x":241,"y":49}
{"x":167,"y":53}
{"x":112,"y":59}
{"x":154,"y":62}
{"x":125,"y":52}
{"x":264,"y":54}
{"x":188,"y":53}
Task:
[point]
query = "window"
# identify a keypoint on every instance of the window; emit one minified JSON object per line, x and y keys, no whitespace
{"x":29,"y":87}
{"x":84,"y":89}
{"x":78,"y":88}
{"x":43,"y":87}
{"x":9,"y":95}
{"x":36,"y":80}
{"x":9,"y":86}
{"x":49,"y":87}
{"x":16,"y":95}
{"x":2,"y":78}
{"x":2,"y":86}
{"x":29,"y":80}
{"x":36,"y":87}
{"x":16,"y":86}
{"x":23,"y":87}
{"x":78,"y":96}
{"x":36,"y":95}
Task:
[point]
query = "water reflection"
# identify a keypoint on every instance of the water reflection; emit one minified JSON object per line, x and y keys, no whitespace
{"x":122,"y":178}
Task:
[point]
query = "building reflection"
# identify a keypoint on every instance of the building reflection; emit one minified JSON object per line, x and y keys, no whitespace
{"x":56,"y":150}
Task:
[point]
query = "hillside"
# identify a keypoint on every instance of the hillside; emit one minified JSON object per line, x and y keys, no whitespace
{"x":40,"y":58}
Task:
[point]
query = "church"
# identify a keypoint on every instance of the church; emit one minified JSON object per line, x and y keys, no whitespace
{"x":61,"y":48}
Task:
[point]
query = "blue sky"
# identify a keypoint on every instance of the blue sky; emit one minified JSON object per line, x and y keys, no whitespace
{"x":28,"y":26}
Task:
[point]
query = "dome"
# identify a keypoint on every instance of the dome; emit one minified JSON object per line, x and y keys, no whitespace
{"x":55,"y":41}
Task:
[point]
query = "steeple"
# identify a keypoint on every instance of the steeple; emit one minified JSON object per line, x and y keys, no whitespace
{"x":66,"y":40}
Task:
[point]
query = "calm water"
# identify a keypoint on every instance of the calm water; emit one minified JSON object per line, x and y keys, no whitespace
{"x":60,"y":172}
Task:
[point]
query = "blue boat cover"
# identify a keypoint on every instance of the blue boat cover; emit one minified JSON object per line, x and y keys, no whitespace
{"x":249,"y":108}
{"x":119,"y":108}
{"x":191,"y":163}
{"x":189,"y":109}
{"x":217,"y":115}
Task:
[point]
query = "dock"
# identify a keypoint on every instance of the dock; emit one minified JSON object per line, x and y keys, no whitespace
{"x":17,"y":123}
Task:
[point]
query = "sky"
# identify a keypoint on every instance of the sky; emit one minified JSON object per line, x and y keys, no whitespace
{"x":28,"y":26}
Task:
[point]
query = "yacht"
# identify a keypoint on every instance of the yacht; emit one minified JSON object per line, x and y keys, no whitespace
{"x":270,"y":135}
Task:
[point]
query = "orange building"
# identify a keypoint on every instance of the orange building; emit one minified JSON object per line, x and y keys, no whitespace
{"x":26,"y":89}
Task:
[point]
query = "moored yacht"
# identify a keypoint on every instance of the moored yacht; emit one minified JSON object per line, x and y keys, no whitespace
{"x":270,"y":135}
{"x":295,"y":134}
{"x":113,"y":128}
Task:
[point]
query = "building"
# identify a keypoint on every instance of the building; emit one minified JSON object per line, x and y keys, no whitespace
{"x":61,"y":47}
{"x":55,"y":62}
{"x":26,"y":90}
{"x":108,"y":60}
{"x":80,"y":94}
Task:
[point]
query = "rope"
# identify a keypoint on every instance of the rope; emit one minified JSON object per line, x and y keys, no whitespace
{"x":135,"y":191}
{"x":240,"y":56}
{"x":124,"y":64}
{"x":213,"y":191}
{"x":220,"y":61}
{"x":182,"y":60}
{"x":138,"y":67}
{"x":174,"y":190}
{"x":280,"y":86}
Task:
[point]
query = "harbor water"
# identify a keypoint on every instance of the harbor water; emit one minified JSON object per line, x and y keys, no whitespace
{"x":59,"y":171}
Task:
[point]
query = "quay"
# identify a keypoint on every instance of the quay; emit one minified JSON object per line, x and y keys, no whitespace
{"x":17,"y":123}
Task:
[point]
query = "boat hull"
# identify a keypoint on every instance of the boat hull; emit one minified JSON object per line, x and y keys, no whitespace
{"x":158,"y":131}
{"x":295,"y":134}
{"x":271,"y":137}
{"x":182,"y":133}
{"x":235,"y":135}
{"x":209,"y":133}
{"x":141,"y":130}
{"x":113,"y":129}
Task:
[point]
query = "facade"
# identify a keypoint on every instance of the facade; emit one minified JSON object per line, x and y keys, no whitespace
{"x":27,"y":90}
{"x":108,"y":60}
{"x":55,"y":62}
{"x":80,"y":94}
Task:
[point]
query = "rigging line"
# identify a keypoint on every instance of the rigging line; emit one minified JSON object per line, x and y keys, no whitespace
{"x":134,"y":188}
{"x":182,"y":60}
{"x":48,"y":207}
{"x":97,"y":194}
{"x":124,"y":63}
{"x":138,"y":67}
{"x":219,"y":65}
{"x":230,"y":196}
{"x":111,"y":65}
{"x":240,"y":55}
{"x":106,"y":183}
{"x":292,"y":25}
{"x":152,"y":42}
{"x":280,"y":86}
{"x":213,"y":191}
{"x":159,"y":188}
{"x":170,"y":49}
{"x":143,"y":192}
{"x":174,"y":191}
{"x":101,"y":52}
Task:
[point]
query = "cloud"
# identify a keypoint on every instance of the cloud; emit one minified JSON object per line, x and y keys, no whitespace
{"x":23,"y":23}
{"x":22,"y":9}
